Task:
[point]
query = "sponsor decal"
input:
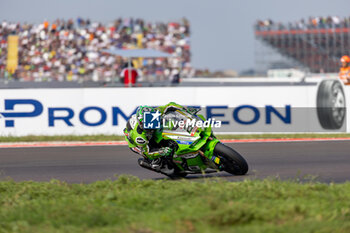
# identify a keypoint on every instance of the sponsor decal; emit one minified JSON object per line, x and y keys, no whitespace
{"x":10,"y":113}
{"x":180,"y":137}
{"x":189,"y":156}
{"x":137,"y":150}
{"x":331,"y":105}
{"x":215,"y":159}
{"x":194,"y":130}
{"x":236,"y":119}
{"x":140,"y":140}
{"x":183,"y":142}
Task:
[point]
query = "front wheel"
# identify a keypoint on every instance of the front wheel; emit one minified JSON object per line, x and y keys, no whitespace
{"x":233,"y":162}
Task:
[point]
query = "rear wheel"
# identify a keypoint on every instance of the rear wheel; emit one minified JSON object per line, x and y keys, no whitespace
{"x":233,"y":162}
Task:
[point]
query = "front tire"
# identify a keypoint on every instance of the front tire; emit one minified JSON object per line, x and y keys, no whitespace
{"x":233,"y":162}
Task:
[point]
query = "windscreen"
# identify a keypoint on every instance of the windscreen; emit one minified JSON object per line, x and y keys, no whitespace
{"x":178,"y":122}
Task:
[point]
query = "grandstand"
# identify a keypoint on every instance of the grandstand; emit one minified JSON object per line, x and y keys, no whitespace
{"x":70,"y":50}
{"x":315,"y":44}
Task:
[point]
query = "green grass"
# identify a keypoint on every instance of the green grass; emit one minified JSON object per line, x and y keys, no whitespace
{"x":131,"y":205}
{"x":120,"y":138}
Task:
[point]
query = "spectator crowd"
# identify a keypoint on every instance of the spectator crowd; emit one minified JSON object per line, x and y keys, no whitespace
{"x":304,"y":24}
{"x":71,"y":49}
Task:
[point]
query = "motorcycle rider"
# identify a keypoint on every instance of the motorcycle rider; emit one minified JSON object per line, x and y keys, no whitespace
{"x":140,"y":139}
{"x":344,"y":73}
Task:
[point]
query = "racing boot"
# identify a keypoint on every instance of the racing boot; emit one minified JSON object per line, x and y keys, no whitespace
{"x":161,"y":165}
{"x":156,"y":164}
{"x":167,"y":169}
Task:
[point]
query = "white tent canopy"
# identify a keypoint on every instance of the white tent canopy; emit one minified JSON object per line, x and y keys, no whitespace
{"x":133,"y":53}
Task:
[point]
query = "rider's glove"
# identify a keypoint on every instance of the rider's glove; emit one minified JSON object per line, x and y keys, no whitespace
{"x":165,"y":151}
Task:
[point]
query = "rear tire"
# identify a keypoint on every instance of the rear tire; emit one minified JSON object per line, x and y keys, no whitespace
{"x":233,"y":162}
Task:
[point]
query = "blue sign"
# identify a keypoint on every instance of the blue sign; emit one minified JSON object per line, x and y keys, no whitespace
{"x":152,"y":120}
{"x":10,"y":106}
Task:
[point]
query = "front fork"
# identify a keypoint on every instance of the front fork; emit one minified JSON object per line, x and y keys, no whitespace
{"x":207,"y":151}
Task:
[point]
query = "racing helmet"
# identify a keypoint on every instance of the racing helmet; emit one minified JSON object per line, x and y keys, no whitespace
{"x":345,"y":59}
{"x":140,"y":113}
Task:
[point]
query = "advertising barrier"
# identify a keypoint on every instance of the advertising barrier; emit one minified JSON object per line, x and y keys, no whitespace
{"x":241,"y":109}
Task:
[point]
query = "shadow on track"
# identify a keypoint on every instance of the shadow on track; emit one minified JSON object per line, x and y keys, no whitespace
{"x":204,"y":176}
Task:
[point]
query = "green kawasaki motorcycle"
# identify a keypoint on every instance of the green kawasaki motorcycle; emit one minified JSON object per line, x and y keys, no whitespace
{"x":196,"y":149}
